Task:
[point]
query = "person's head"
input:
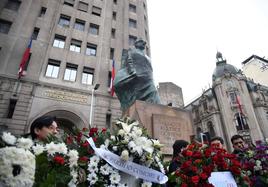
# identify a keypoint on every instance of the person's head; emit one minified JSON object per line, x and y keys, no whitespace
{"x":178,"y":147}
{"x":238,"y":142}
{"x":43,"y":126}
{"x":217,"y":142}
{"x":140,"y":44}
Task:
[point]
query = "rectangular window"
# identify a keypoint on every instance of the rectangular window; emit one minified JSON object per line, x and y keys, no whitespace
{"x":144,"y":6}
{"x":132,"y":23}
{"x":59,"y":41}
{"x":113,"y":33}
{"x":82,"y":6}
{"x":111,"y":53}
{"x":13,"y":5}
{"x":42,"y":12}
{"x":94,"y":29}
{"x":96,"y":11}
{"x":114,"y":15}
{"x":108,"y":120}
{"x":35,"y":33}
{"x":131,"y":40}
{"x":69,"y":2}
{"x":11,"y":108}
{"x":64,"y":20}
{"x":53,"y":67}
{"x":115,"y":1}
{"x":87,"y":76}
{"x":75,"y":45}
{"x":91,"y":49}
{"x":70,"y":72}
{"x":232,"y":96}
{"x":132,"y":8}
{"x":79,"y":25}
{"x":5,"y":26}
{"x":109,"y":79}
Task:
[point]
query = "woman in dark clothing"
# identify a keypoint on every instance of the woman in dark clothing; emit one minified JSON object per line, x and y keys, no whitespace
{"x":175,"y":163}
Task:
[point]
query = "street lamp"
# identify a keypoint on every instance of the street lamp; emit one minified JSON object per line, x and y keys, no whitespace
{"x":91,"y":106}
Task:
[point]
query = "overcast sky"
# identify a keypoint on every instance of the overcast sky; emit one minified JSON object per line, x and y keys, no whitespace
{"x":186,"y":34}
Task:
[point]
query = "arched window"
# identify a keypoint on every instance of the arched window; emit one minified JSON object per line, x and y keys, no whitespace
{"x":211,"y":129}
{"x":241,"y":122}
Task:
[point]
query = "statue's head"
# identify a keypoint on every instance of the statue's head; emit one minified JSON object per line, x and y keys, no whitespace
{"x":140,"y":44}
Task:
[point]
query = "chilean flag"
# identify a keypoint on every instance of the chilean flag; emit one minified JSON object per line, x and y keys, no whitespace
{"x":24,"y":59}
{"x":238,"y":102}
{"x":112,"y":80}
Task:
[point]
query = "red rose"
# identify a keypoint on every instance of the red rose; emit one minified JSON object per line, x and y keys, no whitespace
{"x":93,"y":131}
{"x":59,"y":160}
{"x":195,"y":179}
{"x":203,"y":176}
{"x":197,"y":161}
{"x":235,"y":170}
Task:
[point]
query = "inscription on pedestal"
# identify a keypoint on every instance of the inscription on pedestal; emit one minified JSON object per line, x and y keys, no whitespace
{"x":167,"y":129}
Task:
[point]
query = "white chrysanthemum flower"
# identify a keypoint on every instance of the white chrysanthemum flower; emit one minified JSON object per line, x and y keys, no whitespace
{"x":93,"y":167}
{"x":24,"y":160}
{"x":105,"y":170}
{"x":74,"y":175}
{"x":146,"y":184}
{"x":115,"y":178}
{"x":62,"y":148}
{"x":92,"y":178}
{"x":95,"y":159}
{"x":25,"y":143}
{"x":38,"y":149}
{"x":125,"y":155}
{"x":51,"y":148}
{"x":9,"y":138}
{"x":73,"y":157}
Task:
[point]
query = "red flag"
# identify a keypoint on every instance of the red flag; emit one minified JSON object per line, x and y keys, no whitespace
{"x":238,"y":102}
{"x":24,"y":59}
{"x":112,"y":80}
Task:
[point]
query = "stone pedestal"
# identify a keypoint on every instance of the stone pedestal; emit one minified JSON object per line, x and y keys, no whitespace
{"x":164,"y":123}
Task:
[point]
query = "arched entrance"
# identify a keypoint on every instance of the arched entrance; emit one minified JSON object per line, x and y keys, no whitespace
{"x":67,"y":121}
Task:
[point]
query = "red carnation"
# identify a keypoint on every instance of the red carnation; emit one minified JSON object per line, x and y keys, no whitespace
{"x":59,"y":160}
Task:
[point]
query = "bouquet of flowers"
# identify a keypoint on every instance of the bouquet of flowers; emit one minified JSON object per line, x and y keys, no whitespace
{"x":132,"y":143}
{"x":256,"y":162}
{"x":17,"y":163}
{"x":199,"y":161}
{"x":56,"y":165}
{"x":93,"y":171}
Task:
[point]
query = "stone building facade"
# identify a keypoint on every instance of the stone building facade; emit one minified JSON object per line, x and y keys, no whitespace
{"x":233,"y":105}
{"x":170,"y":94}
{"x":256,"y":68}
{"x":74,"y":44}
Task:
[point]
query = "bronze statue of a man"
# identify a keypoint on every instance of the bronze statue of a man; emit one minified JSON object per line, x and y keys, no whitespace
{"x":135,"y":80}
